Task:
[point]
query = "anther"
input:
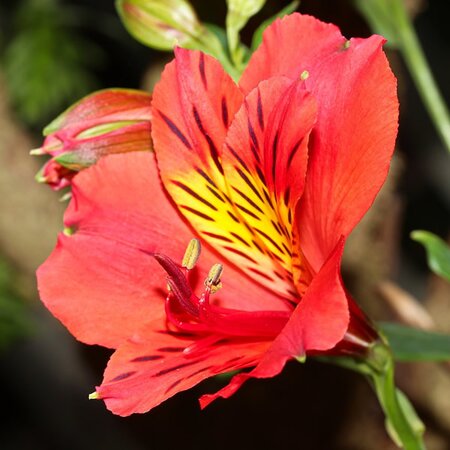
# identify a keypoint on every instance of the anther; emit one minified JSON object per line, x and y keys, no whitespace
{"x":213,"y":280}
{"x":191,"y":254}
{"x":304,"y":75}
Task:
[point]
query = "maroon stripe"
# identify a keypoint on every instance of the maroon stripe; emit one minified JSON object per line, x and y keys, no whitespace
{"x":173,"y":368}
{"x":238,"y":252}
{"x":146,"y":358}
{"x":188,"y":190}
{"x":175,"y":130}
{"x":201,"y":68}
{"x":248,"y":200}
{"x":122,"y":376}
{"x":197,"y":213}
{"x":224,"y":112}
{"x":259,"y":110}
{"x":217,"y":236}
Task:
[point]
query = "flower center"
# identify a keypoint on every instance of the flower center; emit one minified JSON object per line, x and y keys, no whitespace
{"x":196,"y":314}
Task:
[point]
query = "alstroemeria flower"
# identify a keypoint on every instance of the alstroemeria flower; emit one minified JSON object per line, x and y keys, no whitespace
{"x":105,"y":122}
{"x":270,"y":176}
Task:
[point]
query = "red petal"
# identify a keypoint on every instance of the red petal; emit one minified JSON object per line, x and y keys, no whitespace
{"x":352,"y":147}
{"x":151,"y":367}
{"x":192,"y":107}
{"x":290,"y":46}
{"x":98,"y":282}
{"x":318,"y":323}
{"x":265,"y":159}
{"x":356,"y":126}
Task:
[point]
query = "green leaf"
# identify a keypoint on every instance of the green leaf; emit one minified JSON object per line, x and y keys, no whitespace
{"x":438,"y":252}
{"x":257,"y":36}
{"x":411,"y":344}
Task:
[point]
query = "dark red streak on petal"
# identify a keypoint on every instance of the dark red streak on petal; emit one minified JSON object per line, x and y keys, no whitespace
{"x":197,"y":213}
{"x":175,"y":130}
{"x":172,"y":369}
{"x":146,"y":358}
{"x":188,"y":190}
{"x":122,"y":376}
{"x":201,"y":68}
{"x":224,"y":112}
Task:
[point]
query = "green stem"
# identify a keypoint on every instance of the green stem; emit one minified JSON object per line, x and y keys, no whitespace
{"x":402,"y":423}
{"x":415,"y":60}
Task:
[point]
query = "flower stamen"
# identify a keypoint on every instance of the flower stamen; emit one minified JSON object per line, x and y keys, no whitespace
{"x":191,"y":254}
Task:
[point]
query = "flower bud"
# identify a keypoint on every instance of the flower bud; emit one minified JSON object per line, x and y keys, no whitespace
{"x":160,"y":24}
{"x":105,"y":122}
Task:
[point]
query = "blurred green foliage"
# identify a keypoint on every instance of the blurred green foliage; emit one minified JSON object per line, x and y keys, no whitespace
{"x":14,"y":320}
{"x":46,"y":63}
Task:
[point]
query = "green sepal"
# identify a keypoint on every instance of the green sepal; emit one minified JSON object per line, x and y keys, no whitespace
{"x":77,"y":160}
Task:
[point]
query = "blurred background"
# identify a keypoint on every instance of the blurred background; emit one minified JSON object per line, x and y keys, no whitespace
{"x":52,"y":52}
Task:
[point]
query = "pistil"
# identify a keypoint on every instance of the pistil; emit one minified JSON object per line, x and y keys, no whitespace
{"x":188,"y":312}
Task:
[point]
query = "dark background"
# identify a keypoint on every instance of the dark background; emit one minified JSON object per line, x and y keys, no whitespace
{"x":46,"y":375}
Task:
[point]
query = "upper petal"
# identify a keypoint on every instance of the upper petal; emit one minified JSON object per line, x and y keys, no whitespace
{"x":291,"y":45}
{"x":193,"y":106}
{"x":352,"y":144}
{"x":265,"y":159}
{"x":356,"y":125}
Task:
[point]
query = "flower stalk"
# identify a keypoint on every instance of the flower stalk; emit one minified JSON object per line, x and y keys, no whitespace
{"x":402,"y":423}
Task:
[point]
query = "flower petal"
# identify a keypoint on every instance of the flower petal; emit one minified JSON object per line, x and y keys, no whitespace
{"x":356,"y":126}
{"x":151,"y":367}
{"x":318,"y":323}
{"x":352,"y":144}
{"x":193,"y":105}
{"x":98,"y":281}
{"x":290,"y":46}
{"x":265,"y":159}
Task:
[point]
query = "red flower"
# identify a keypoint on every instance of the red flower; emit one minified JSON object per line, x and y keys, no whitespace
{"x":105,"y":122}
{"x":270,"y":176}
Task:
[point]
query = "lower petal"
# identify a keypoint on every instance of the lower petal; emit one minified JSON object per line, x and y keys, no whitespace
{"x":152,"y":366}
{"x":318,"y":323}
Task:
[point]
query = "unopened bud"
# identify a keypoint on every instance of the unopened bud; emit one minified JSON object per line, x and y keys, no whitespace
{"x":160,"y":24}
{"x":105,"y":122}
